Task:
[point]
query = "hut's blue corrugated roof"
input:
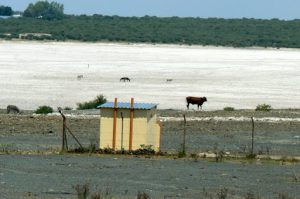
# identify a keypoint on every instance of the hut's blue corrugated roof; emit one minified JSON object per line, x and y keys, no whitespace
{"x":126,"y":105}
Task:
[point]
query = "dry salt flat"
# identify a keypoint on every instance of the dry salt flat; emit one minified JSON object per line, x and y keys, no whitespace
{"x":45,"y":73}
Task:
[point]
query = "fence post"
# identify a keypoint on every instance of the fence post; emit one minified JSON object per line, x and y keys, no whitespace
{"x":184,"y":135}
{"x":64,"y":136}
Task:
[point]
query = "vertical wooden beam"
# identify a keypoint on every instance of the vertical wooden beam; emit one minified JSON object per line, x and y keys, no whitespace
{"x":160,"y":129}
{"x":122,"y":132}
{"x":131,"y":124}
{"x":115,"y":124}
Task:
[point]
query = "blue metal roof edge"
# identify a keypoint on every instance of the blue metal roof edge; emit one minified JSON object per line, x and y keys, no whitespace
{"x":126,"y":105}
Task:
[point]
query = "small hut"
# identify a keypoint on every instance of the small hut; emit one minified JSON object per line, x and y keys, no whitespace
{"x":129,"y":126}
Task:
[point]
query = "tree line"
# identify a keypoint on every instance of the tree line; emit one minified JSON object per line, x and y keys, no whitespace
{"x":45,"y":17}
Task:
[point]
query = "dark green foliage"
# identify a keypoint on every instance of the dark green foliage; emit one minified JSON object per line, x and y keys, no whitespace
{"x":218,"y":32}
{"x":67,"y":108}
{"x":6,"y":11}
{"x":100,"y":99}
{"x":44,"y":110}
{"x":228,"y":108}
{"x":251,"y":156}
{"x":181,"y":154}
{"x":45,"y":10}
{"x":263,"y":107}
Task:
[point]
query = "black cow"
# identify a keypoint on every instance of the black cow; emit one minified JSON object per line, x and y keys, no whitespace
{"x":195,"y":100}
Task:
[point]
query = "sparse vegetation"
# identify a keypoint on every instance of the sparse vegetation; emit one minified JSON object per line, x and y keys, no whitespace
{"x":83,"y":191}
{"x":143,"y":195}
{"x":44,"y":110}
{"x":222,"y":194}
{"x":181,"y":154}
{"x":284,"y":196}
{"x":251,"y":156}
{"x":228,"y":108}
{"x":296,"y":178}
{"x":251,"y":195}
{"x":92,"y":149}
{"x":219,"y":156}
{"x":100,"y":99}
{"x":67,"y":108}
{"x":194,"y":156}
{"x":263,"y":107}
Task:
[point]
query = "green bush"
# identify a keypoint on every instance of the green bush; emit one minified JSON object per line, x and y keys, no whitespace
{"x":228,"y":108}
{"x":67,"y":108}
{"x":44,"y":110}
{"x":263,"y":107}
{"x":100,"y":99}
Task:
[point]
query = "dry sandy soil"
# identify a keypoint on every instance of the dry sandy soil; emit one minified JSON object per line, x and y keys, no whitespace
{"x":55,"y":176}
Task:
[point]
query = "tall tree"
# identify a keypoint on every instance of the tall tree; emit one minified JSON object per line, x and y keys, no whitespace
{"x":6,"y":11}
{"x":45,"y":10}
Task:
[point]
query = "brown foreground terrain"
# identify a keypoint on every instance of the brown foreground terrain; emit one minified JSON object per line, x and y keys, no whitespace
{"x":276,"y":132}
{"x":31,"y":167}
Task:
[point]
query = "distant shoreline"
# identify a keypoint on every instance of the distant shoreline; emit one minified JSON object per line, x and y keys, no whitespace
{"x":195,"y":46}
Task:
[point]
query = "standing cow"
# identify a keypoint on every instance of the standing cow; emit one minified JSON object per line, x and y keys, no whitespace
{"x":195,"y":100}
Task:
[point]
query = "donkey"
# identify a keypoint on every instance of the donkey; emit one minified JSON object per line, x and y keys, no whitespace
{"x":13,"y":109}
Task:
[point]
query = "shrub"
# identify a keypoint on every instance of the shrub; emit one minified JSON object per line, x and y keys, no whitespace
{"x":222,"y":194}
{"x":44,"y":110}
{"x":228,"y":108}
{"x":263,"y":107}
{"x":251,"y":156}
{"x":143,"y":195}
{"x":67,"y":108}
{"x":100,"y":99}
{"x":82,"y":191}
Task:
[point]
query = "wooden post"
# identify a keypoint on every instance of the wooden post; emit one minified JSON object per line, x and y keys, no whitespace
{"x":252,"y":144}
{"x":64,"y":134}
{"x":131,"y":124}
{"x":115,"y":124}
{"x":184,"y":134}
{"x":122,"y":132}
{"x":160,"y":129}
{"x":64,"y":145}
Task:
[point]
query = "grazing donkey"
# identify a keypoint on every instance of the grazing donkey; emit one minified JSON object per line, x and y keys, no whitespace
{"x":13,"y":109}
{"x":125,"y":79}
{"x":79,"y":77}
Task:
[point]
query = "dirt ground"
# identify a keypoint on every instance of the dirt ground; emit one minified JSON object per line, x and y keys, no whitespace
{"x":24,"y":136}
{"x":274,"y":134}
{"x":55,"y":176}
